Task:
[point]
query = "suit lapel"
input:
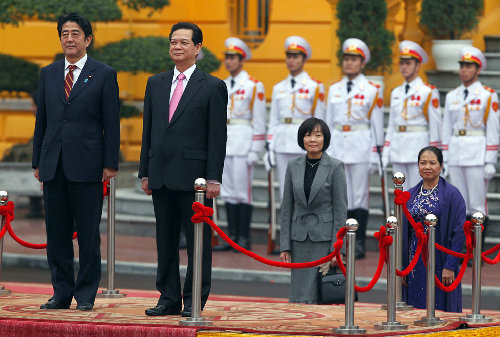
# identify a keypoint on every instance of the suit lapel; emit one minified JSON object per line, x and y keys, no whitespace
{"x":194,"y":84}
{"x":166,"y":86}
{"x":320,"y":177}
{"x":300,"y":171}
{"x":86,"y":76}
{"x":58,"y":80}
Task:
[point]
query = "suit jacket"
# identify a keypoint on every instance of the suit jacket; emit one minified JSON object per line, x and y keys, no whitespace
{"x":193,"y":144}
{"x":326,"y":211}
{"x":85,"y":128}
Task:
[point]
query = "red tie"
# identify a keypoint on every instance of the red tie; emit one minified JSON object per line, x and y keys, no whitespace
{"x":68,"y":81}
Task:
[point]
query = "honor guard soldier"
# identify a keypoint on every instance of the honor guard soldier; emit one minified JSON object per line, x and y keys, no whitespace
{"x":415,"y":117}
{"x":294,"y":99}
{"x":470,"y":133}
{"x":246,"y":130}
{"x":354,"y":115}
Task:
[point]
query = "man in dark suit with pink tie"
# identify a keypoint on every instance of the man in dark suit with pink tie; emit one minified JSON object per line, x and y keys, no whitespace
{"x":75,"y":148}
{"x":184,"y":138}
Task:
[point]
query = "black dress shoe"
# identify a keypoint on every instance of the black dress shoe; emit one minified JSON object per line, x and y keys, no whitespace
{"x":162,"y":310}
{"x":84,"y":307}
{"x":186,"y":312}
{"x":52,"y":304}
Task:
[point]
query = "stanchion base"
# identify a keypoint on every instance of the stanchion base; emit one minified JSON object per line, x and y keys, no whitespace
{"x":4,"y":291}
{"x":429,"y":321}
{"x":110,"y":294}
{"x":476,"y":318}
{"x":349,"y":330}
{"x":400,"y":306}
{"x":200,"y":321}
{"x":391,"y":326}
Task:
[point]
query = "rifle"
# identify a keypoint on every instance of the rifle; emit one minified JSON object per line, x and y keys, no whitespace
{"x":385,"y":192}
{"x":271,"y":232}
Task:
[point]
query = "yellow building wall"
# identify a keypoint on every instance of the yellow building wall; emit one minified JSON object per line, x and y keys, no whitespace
{"x":314,"y":20}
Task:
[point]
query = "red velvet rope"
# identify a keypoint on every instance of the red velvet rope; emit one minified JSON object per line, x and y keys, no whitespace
{"x":488,"y":252}
{"x":202,"y":214}
{"x":402,"y":198}
{"x":105,"y":188}
{"x":384,"y":242}
{"x":457,"y":281}
{"x":7,"y":212}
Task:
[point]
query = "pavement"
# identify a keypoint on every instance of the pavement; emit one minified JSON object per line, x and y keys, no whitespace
{"x":137,"y":255}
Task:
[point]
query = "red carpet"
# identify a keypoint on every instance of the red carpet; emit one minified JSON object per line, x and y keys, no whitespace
{"x":20,"y":316}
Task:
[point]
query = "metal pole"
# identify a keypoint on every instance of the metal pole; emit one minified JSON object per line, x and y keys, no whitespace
{"x":349,"y":328}
{"x":398,"y":179}
{"x":4,"y":198}
{"x":111,"y":292}
{"x":391,"y":323}
{"x":200,"y":186}
{"x":431,"y":319}
{"x":476,"y":316}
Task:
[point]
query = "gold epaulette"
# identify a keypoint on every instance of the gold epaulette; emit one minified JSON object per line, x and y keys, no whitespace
{"x":374,"y":84}
{"x":488,"y":88}
{"x":430,"y":85}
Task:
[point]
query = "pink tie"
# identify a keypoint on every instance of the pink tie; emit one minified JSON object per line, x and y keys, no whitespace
{"x":176,"y":97}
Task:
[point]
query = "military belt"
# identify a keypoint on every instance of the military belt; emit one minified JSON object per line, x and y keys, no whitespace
{"x":238,"y":121}
{"x":464,"y":132}
{"x":289,"y":120}
{"x":353,"y":127}
{"x":411,"y":128}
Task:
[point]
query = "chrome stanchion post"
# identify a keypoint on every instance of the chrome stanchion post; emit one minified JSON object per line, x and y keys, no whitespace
{"x":476,"y":316}
{"x":391,"y":324}
{"x":399,"y":179}
{"x":431,"y":319}
{"x":200,"y":186}
{"x":111,"y":292}
{"x":349,"y":328}
{"x":4,"y":198}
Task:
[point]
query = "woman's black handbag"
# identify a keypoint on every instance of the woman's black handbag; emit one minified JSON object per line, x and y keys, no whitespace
{"x":331,"y":287}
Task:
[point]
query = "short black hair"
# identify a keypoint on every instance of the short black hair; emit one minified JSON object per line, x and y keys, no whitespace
{"x":433,"y":149}
{"x":240,"y":57}
{"x":299,"y":53}
{"x":474,"y":63}
{"x":308,"y":126}
{"x":197,"y":33}
{"x":78,"y":19}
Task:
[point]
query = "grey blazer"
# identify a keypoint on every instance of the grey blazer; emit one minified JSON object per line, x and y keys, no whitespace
{"x":326,"y":211}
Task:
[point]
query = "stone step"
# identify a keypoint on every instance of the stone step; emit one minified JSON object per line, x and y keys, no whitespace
{"x":492,"y":43}
{"x":493,"y":60}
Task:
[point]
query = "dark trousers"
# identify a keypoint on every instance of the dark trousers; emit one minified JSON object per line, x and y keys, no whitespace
{"x":69,"y":206}
{"x":171,"y":209}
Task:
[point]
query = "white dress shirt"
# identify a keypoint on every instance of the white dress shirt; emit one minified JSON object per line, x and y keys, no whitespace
{"x":76,"y":72}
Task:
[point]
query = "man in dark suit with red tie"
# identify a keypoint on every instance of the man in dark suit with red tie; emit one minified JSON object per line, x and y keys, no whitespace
{"x":75,"y":148}
{"x":183,"y":138}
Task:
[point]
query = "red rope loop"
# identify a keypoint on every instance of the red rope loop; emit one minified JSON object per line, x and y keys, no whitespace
{"x":384,"y":242}
{"x":202,"y":214}
{"x":491,"y":251}
{"x":8,"y":212}
{"x":105,"y":188}
{"x":422,"y":240}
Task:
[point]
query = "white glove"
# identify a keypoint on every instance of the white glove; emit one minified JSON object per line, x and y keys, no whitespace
{"x":269,"y":160}
{"x":385,"y":159}
{"x":324,"y":268}
{"x":444,"y":172}
{"x":489,"y":171}
{"x":252,"y":158}
{"x":374,"y":168}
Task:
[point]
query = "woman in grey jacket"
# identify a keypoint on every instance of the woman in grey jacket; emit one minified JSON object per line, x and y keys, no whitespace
{"x":313,"y":209}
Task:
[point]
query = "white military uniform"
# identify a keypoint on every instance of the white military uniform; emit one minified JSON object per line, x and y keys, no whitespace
{"x":356,"y":123}
{"x":470,"y":141}
{"x":246,"y":129}
{"x":289,"y":108}
{"x":414,"y":123}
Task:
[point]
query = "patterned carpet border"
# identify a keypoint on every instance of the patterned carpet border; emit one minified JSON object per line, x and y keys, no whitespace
{"x":20,"y":316}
